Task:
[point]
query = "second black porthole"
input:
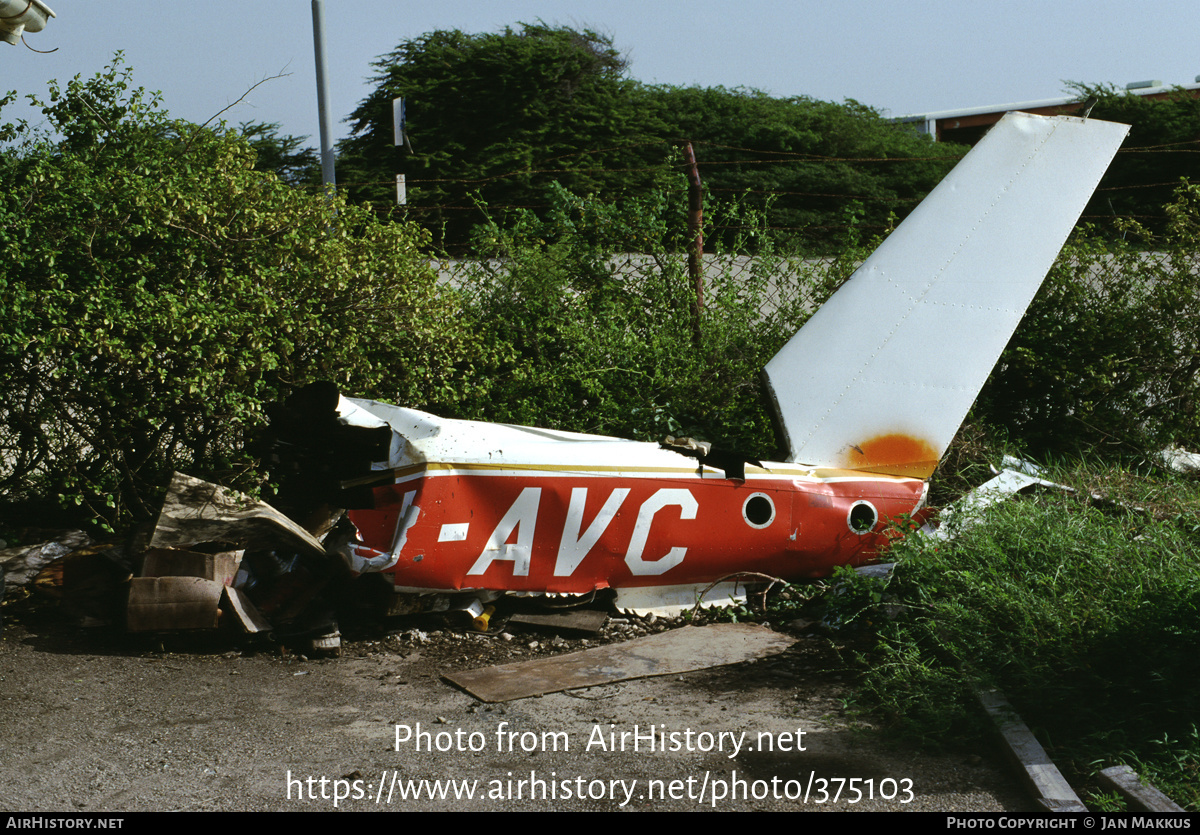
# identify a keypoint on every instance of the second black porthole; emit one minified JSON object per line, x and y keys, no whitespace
{"x":862,"y":517}
{"x":758,"y":510}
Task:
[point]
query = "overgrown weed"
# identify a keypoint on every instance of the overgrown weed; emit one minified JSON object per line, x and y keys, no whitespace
{"x":1087,"y":616}
{"x":971,"y":459}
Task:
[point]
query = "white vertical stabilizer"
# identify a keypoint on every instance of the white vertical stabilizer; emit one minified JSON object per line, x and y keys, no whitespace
{"x":882,"y":375}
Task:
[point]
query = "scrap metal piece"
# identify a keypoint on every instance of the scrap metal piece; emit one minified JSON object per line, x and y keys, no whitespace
{"x":1180,"y":460}
{"x":669,"y":601}
{"x":970,"y":507}
{"x":196,"y":511}
{"x":674,"y":651}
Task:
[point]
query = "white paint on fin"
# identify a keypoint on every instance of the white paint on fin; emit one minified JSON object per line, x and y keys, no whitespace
{"x":882,"y":375}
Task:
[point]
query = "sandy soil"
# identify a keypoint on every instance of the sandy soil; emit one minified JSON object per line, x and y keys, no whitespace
{"x":99,"y":720}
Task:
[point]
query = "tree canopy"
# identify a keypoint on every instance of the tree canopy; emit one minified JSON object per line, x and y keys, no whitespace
{"x":817,"y":169}
{"x":496,"y":118}
{"x":282,"y":154}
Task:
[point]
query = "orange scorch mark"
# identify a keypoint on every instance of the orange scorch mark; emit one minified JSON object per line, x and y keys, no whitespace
{"x":894,"y":454}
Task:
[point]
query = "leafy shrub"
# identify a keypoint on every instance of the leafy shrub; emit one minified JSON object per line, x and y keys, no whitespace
{"x":1108,"y":355}
{"x":1086,"y":619}
{"x":597,"y":328}
{"x":156,"y":291}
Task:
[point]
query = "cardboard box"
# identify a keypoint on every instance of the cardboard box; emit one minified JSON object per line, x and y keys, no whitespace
{"x":170,"y":562}
{"x":188,"y":590}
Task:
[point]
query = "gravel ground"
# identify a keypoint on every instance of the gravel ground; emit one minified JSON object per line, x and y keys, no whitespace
{"x":98,"y":720}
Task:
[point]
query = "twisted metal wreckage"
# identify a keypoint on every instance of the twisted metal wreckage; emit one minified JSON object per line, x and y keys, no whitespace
{"x":450,"y":506}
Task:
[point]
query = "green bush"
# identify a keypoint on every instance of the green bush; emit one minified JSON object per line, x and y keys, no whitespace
{"x":1108,"y":355}
{"x":156,"y":291}
{"x":1087,"y":619}
{"x":597,"y":326}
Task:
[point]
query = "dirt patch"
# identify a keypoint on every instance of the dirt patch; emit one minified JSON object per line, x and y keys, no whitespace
{"x":98,"y":720}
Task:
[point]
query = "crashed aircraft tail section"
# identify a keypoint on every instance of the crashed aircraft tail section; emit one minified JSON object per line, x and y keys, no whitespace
{"x":458,"y":506}
{"x":465,"y":505}
{"x":869,"y":393}
{"x":882,"y":375}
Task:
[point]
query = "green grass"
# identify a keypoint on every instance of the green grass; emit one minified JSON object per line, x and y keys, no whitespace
{"x":1087,"y":616}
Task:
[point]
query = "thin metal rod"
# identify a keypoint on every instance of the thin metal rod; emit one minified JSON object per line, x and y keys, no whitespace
{"x":696,"y":234}
{"x":328,"y":177}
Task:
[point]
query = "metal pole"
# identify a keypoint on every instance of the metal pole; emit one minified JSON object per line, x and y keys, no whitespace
{"x":328,"y":177}
{"x":696,"y":233}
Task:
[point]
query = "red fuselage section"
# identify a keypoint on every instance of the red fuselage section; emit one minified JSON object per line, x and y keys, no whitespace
{"x":550,"y":530}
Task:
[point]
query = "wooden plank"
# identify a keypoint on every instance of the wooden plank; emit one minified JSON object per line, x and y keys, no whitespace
{"x":1039,"y":773}
{"x":1126,"y":781}
{"x":674,"y":651}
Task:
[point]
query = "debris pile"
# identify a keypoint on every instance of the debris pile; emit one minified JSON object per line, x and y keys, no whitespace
{"x":215,"y":557}
{"x":219,"y":559}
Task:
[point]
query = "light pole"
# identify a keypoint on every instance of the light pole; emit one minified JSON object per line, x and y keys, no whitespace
{"x":328,"y":177}
{"x":19,"y":16}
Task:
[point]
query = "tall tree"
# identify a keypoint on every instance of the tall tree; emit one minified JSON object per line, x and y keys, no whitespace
{"x":494,"y":119}
{"x":498,"y":117}
{"x":822,"y":168}
{"x":283,"y":154}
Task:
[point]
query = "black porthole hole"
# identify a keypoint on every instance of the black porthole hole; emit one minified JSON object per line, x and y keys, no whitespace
{"x":862,"y":518}
{"x":758,"y":510}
